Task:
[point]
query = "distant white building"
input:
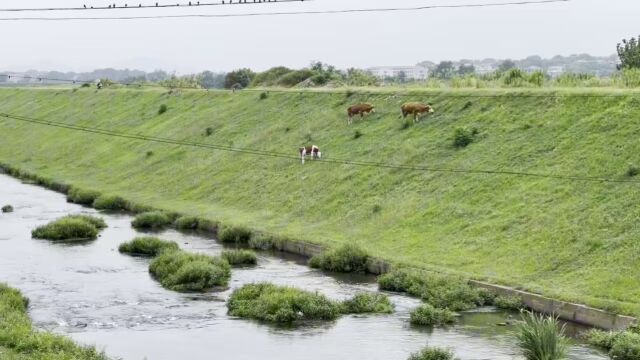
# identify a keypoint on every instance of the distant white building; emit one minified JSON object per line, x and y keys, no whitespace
{"x":411,"y":72}
{"x":555,"y":71}
{"x":484,"y":69}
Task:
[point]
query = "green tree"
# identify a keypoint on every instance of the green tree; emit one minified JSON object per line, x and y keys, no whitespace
{"x":629,"y":54}
{"x":444,"y":70}
{"x":210,"y":80}
{"x":242,"y":77}
{"x":507,"y":65}
{"x":466,"y":69}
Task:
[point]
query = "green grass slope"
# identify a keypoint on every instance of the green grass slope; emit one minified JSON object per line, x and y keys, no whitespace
{"x":568,"y":239}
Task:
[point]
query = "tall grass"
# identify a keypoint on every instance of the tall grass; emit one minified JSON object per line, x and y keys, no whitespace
{"x":427,"y":315}
{"x":346,"y":258}
{"x":279,"y":304}
{"x":110,"y":202}
{"x":147,"y":246}
{"x":185,"y":272}
{"x":540,"y":337}
{"x":438,"y":290}
{"x":81,"y":196}
{"x":368,"y":302}
{"x":240,"y":257}
{"x":151,"y":220}
{"x":432,"y":353}
{"x":18,"y":335}
{"x":75,"y":227}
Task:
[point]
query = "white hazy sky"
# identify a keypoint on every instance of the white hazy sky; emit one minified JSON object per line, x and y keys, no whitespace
{"x":345,"y":40}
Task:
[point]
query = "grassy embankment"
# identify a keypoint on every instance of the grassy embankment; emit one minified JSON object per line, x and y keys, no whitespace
{"x":20,"y":341}
{"x":567,"y":239}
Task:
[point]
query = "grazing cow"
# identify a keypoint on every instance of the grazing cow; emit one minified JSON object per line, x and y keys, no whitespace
{"x":359,"y":109}
{"x":312,"y":151}
{"x":416,"y":109}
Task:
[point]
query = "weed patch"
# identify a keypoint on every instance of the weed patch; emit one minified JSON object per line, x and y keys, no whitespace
{"x":162,"y":109}
{"x":82,"y":197}
{"x":110,"y":202}
{"x":73,"y":227}
{"x":240,"y":257}
{"x":633,"y":171}
{"x":147,"y":246}
{"x":431,"y":353}
{"x":182,"y":271}
{"x":623,"y":345}
{"x":278,"y":304}
{"x":427,"y":315}
{"x":151,"y":220}
{"x":238,"y":235}
{"x":508,"y":302}
{"x":368,"y":303}
{"x":346,"y":258}
{"x":357,"y":134}
{"x":462,"y":137}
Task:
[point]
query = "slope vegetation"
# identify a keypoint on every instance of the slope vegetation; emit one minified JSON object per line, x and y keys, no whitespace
{"x":575,"y":240}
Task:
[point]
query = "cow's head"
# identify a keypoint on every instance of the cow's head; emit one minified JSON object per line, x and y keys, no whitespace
{"x":319,"y":154}
{"x":431,"y":110}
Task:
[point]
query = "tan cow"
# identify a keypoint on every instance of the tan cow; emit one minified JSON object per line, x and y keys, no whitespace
{"x":359,"y":109}
{"x":416,"y":109}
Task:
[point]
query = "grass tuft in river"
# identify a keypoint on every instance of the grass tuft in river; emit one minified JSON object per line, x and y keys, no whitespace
{"x":346,"y":258}
{"x":72,"y":227}
{"x":280,"y":304}
{"x":622,"y":345}
{"x":541,"y":337}
{"x":83,"y":197}
{"x":182,"y":271}
{"x":363,"y":303}
{"x":438,"y":290}
{"x":147,"y":246}
{"x":7,"y":209}
{"x":238,"y":235}
{"x":432,"y":353}
{"x":151,"y":220}
{"x":427,"y":315}
{"x":22,"y":341}
{"x":240,"y":257}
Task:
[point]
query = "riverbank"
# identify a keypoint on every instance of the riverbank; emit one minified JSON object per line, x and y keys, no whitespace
{"x":565,"y":239}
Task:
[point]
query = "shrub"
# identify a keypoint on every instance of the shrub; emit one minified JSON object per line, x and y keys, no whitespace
{"x":147,"y":246}
{"x":346,"y":258}
{"x":462,"y":137}
{"x":268,"y":302}
{"x":240,"y":257}
{"x":508,"y":302}
{"x":541,"y":338}
{"x":238,"y":235}
{"x":427,"y":315}
{"x":633,"y":171}
{"x":467,"y":105}
{"x":182,"y":271}
{"x":357,"y":134}
{"x":80,"y":196}
{"x":263,"y":95}
{"x":110,"y":202}
{"x":7,"y":209}
{"x":626,"y":346}
{"x":430,"y":353}
{"x":149,"y":153}
{"x":163,"y":109}
{"x":151,"y":220}
{"x":208,"y":131}
{"x":66,"y":228}
{"x":85,"y":85}
{"x":438,"y":290}
{"x":368,"y":303}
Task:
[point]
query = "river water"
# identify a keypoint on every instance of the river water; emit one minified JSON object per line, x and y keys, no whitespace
{"x":97,"y":296}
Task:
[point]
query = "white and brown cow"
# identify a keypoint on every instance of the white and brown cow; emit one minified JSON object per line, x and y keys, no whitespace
{"x":416,"y":109}
{"x":359,"y":109}
{"x":313,"y":151}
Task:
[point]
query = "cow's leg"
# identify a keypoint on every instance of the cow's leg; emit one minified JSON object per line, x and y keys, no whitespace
{"x":303,"y":153}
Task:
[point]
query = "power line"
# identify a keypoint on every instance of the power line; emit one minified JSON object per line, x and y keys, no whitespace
{"x":288,"y":156}
{"x":418,"y":92}
{"x":153,"y":6}
{"x":316,"y":12}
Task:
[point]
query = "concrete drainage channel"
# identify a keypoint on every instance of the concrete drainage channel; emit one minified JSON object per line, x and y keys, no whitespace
{"x":577,"y":313}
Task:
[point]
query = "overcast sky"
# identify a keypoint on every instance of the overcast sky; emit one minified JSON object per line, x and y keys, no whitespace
{"x":345,"y":40}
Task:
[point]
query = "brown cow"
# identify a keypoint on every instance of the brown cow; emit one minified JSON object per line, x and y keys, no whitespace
{"x":359,"y":109}
{"x":416,"y":109}
{"x":313,"y":151}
